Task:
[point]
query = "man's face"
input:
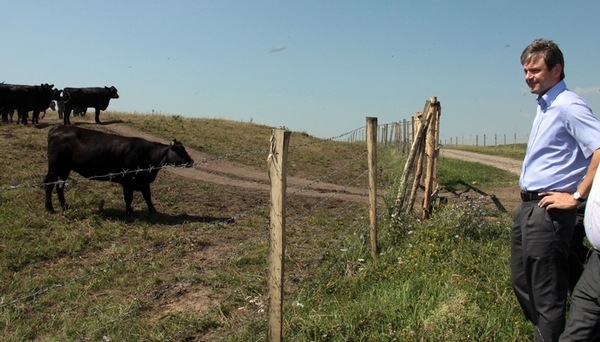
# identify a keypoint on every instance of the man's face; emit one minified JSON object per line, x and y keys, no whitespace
{"x":538,"y":77}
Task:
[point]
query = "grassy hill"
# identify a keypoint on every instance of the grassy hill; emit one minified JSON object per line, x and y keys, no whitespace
{"x":196,"y":271}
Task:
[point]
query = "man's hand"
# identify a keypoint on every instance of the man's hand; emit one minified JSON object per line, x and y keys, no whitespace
{"x":557,"y":200}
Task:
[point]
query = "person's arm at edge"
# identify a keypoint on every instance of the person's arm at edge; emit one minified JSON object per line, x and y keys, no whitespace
{"x":562,"y":200}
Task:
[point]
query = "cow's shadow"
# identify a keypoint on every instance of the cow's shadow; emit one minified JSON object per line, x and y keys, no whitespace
{"x":44,"y":125}
{"x":110,"y":122}
{"x":161,"y":218}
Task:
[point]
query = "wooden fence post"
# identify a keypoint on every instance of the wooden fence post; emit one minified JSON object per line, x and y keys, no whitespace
{"x":277,"y":173}
{"x":404,"y":136}
{"x":372,"y":161}
{"x":432,"y":155}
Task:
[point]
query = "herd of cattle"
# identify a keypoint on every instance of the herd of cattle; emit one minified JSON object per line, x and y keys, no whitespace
{"x":92,"y":154}
{"x":38,"y":98}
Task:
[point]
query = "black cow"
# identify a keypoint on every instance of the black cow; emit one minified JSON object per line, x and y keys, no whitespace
{"x":97,"y":98}
{"x":131,"y":162}
{"x":26,"y":98}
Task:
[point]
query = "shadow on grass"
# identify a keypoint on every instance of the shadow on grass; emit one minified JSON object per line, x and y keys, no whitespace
{"x":44,"y":125}
{"x":161,"y":218}
{"x":469,"y":187}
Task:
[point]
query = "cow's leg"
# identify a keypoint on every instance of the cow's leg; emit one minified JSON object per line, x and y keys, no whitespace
{"x":35,"y":117}
{"x":148,"y":197}
{"x":22,"y":116}
{"x":97,"y":118}
{"x":66,"y":115}
{"x":60,"y":192}
{"x":49,"y":181}
{"x":4,"y":115}
{"x":128,"y":196}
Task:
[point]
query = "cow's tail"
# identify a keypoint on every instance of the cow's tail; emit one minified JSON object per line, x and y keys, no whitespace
{"x":66,"y":96}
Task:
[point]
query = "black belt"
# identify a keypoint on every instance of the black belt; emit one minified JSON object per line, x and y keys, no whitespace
{"x":527,"y":196}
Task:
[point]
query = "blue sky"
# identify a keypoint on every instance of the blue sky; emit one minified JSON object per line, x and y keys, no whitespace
{"x":318,"y":67}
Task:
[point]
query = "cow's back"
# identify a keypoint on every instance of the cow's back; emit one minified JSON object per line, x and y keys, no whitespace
{"x":93,"y":153}
{"x":92,"y":97}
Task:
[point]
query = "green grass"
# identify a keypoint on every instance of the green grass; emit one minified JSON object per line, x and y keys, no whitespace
{"x":192,"y":273}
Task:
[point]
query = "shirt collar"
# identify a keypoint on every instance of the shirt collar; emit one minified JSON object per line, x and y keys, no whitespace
{"x":546,"y":100}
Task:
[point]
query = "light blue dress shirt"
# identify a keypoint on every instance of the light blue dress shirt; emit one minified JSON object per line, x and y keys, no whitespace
{"x":563,"y":137}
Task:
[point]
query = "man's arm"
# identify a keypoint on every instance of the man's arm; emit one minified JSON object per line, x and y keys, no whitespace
{"x":563,"y":200}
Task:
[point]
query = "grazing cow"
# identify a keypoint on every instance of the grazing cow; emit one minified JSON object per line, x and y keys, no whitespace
{"x":26,"y":98}
{"x":107,"y":157}
{"x":97,"y":98}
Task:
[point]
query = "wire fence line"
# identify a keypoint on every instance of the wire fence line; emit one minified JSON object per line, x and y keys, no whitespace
{"x":140,"y":303}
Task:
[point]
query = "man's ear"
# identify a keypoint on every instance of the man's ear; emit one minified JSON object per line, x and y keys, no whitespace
{"x":557,"y":70}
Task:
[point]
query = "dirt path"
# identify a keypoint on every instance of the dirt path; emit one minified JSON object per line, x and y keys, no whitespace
{"x":228,"y":172}
{"x":507,"y":164}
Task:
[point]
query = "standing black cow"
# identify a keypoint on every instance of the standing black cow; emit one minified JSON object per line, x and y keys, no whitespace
{"x":103,"y":156}
{"x":26,"y":98}
{"x":97,"y":98}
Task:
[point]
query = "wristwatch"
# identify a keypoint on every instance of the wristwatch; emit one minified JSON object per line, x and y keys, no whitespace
{"x":578,"y":197}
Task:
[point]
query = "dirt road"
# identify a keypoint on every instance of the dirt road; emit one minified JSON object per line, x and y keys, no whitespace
{"x":510,"y":165}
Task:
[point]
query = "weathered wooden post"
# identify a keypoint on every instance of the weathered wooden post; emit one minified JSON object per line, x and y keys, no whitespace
{"x":404,"y":136}
{"x":431,"y":151}
{"x":277,"y":173}
{"x":372,"y":161}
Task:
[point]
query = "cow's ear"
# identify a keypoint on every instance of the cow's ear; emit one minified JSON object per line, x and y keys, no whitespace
{"x":174,"y":142}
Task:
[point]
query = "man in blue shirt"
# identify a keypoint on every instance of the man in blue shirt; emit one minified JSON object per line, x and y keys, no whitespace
{"x":562,"y":156}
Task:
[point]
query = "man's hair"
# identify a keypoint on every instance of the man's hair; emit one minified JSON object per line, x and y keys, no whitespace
{"x":549,"y":51}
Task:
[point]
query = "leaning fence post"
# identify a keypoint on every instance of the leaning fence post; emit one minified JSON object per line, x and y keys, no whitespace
{"x":372,"y":161}
{"x":277,"y":173}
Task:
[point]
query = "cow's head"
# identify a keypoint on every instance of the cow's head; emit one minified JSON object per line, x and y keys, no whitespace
{"x":113,"y":92}
{"x":56,"y":94}
{"x":177,"y":155}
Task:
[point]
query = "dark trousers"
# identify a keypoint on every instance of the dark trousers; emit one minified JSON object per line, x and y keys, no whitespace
{"x":540,"y":247}
{"x":579,"y":251}
{"x":584,"y":315}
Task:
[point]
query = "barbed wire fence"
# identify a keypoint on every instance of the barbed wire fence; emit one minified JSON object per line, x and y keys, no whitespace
{"x":141,"y":302}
